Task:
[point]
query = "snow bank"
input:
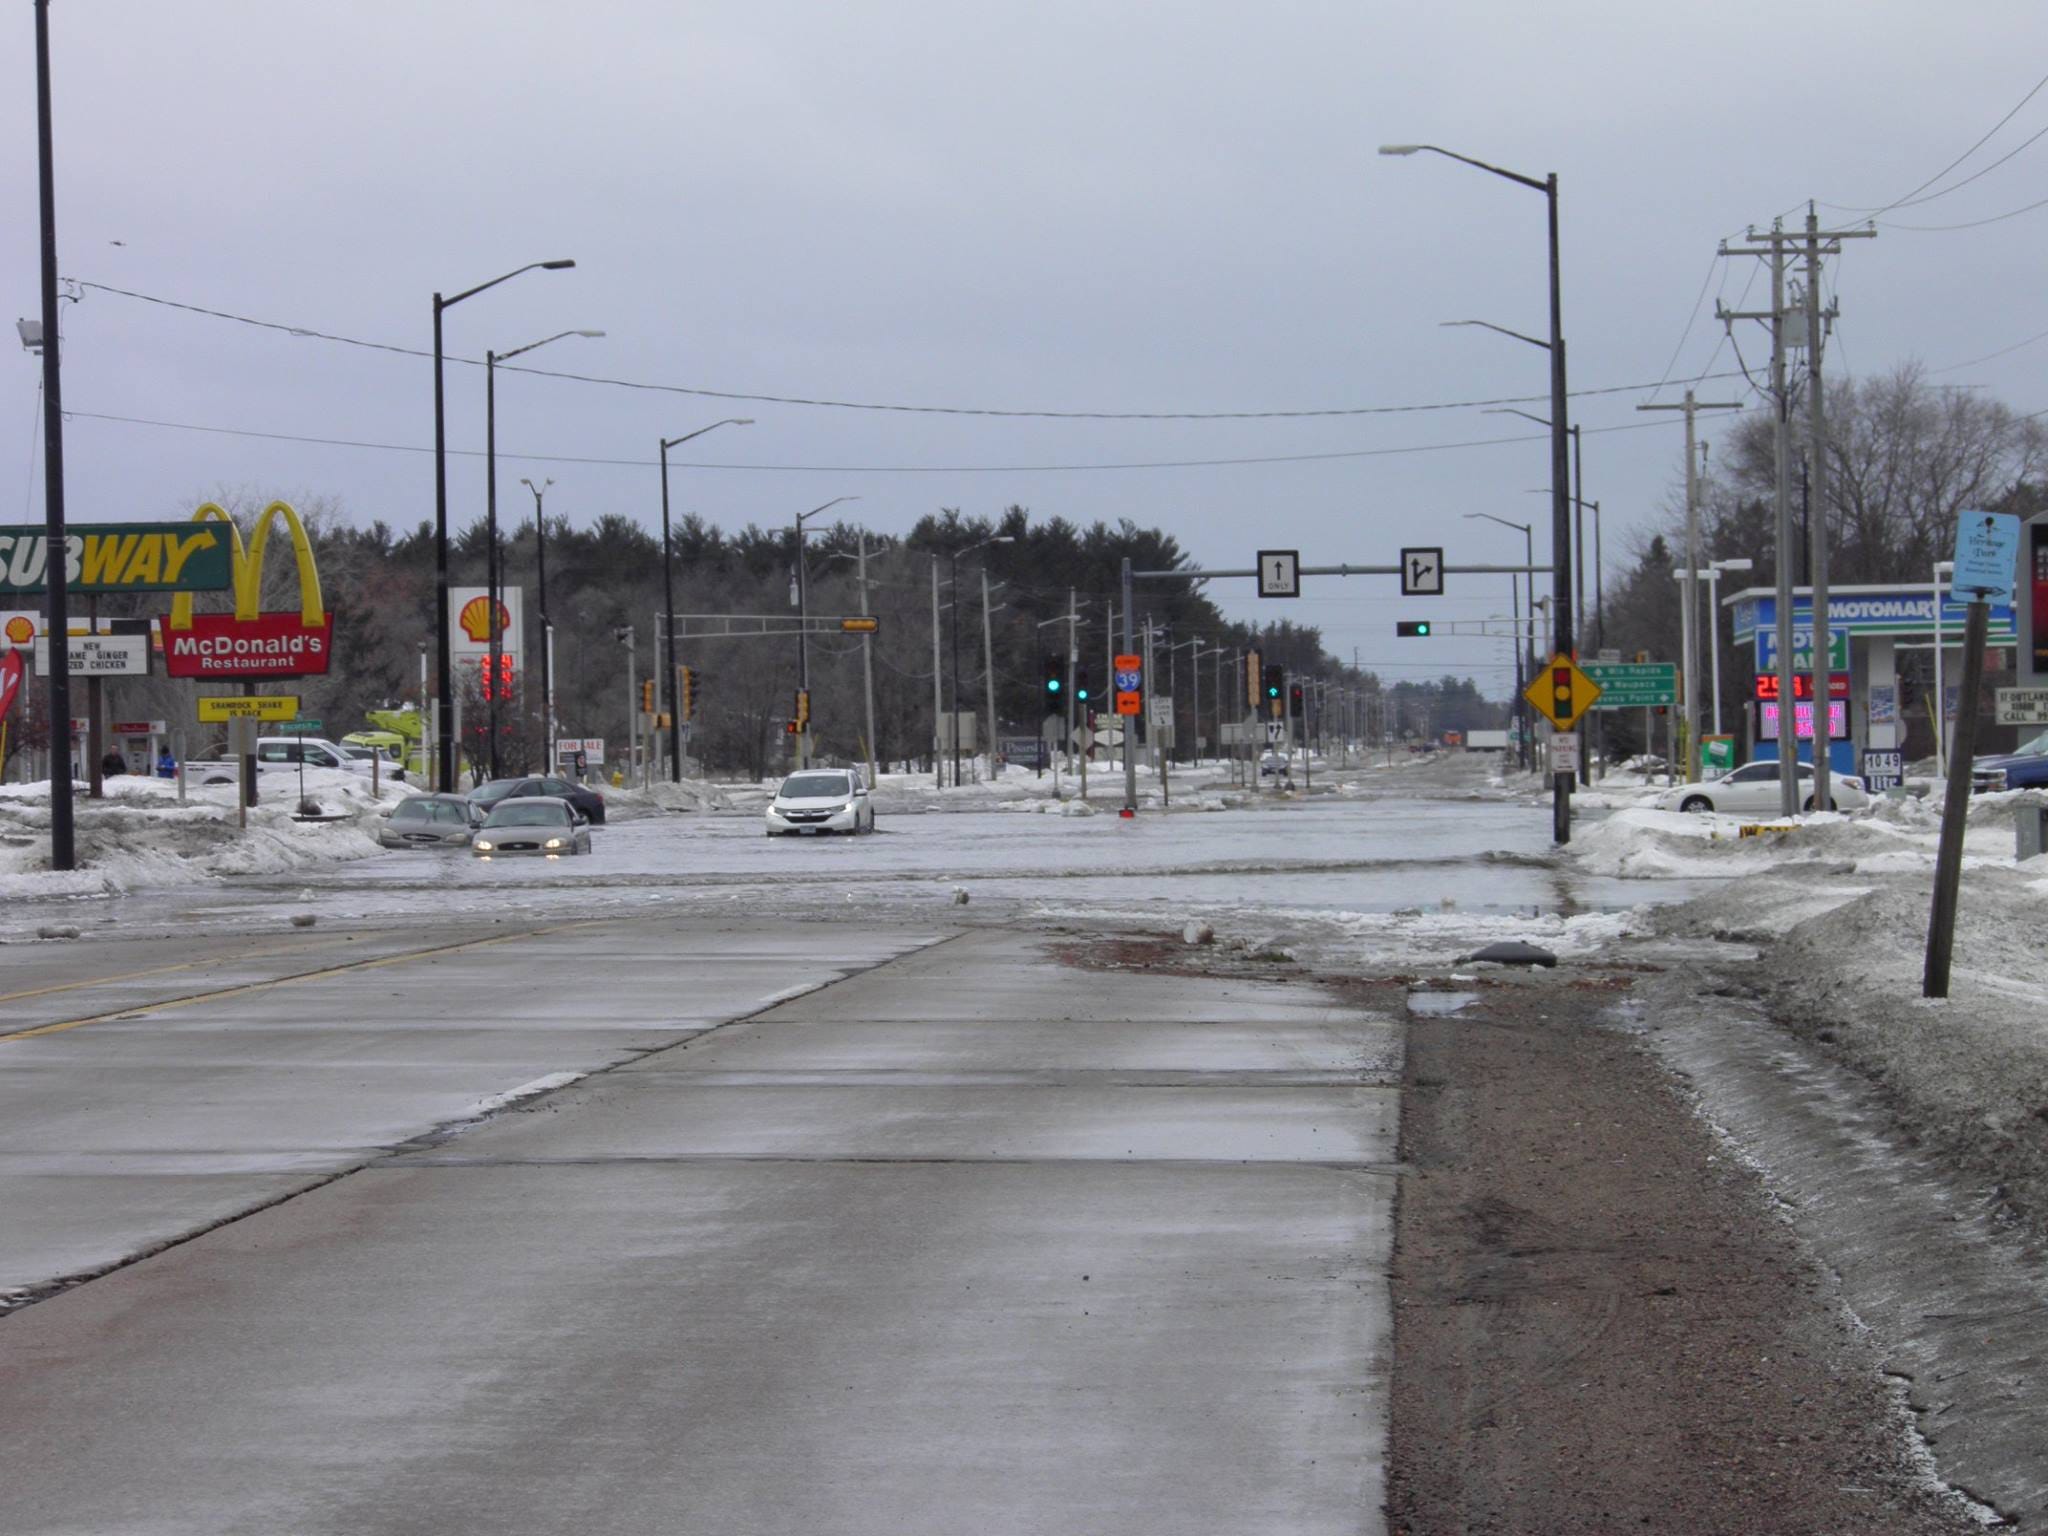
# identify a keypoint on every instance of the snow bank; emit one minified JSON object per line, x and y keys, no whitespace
{"x":139,"y":835}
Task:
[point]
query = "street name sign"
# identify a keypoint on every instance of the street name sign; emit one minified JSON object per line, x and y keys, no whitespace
{"x":1279,"y":573}
{"x":299,"y":728}
{"x":1561,"y":692}
{"x":2023,"y":706}
{"x":1422,"y":573}
{"x":1634,"y":684}
{"x":270,"y":706}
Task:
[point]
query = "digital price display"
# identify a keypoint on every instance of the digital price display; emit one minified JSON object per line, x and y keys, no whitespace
{"x":1802,"y":685}
{"x":1802,"y":720}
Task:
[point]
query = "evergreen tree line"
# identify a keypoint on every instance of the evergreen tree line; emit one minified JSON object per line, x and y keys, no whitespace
{"x":604,"y":579}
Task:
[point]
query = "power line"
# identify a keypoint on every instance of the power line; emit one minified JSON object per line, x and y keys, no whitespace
{"x":1996,"y":218}
{"x":1913,"y":198}
{"x":843,"y":469}
{"x":853,"y":405}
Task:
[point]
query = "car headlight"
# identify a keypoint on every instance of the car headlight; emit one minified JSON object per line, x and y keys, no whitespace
{"x":482,"y":845}
{"x":555,"y":842}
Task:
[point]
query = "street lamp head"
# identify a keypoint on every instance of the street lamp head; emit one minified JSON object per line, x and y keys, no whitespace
{"x":586,"y":333}
{"x":536,"y":489}
{"x":1400,"y":149}
{"x":557,"y":266}
{"x":1735,"y":565}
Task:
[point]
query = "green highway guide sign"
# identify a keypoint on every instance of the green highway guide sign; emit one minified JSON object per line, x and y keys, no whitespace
{"x":298,"y":727}
{"x":1633,"y":684}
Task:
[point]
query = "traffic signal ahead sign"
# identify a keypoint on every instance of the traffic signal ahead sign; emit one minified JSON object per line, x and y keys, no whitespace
{"x":1561,"y":692}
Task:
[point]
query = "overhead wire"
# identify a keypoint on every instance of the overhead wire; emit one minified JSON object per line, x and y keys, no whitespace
{"x":850,"y":469}
{"x":850,"y":405}
{"x":1913,"y":198}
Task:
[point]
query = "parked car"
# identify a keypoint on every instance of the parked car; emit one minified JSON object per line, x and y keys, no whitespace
{"x":2025,"y":767}
{"x":216,"y":765}
{"x":584,"y":798}
{"x":430,"y":821}
{"x":1752,"y":790}
{"x":532,"y":824}
{"x":821,"y":800}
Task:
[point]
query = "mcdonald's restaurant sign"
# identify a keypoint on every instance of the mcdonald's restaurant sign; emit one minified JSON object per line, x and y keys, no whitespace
{"x":250,"y":643}
{"x":118,"y":557}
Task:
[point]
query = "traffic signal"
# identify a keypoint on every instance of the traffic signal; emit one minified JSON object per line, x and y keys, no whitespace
{"x":1054,"y":673}
{"x":1294,"y":701}
{"x":646,"y":695}
{"x":1251,"y":679}
{"x":1274,"y":682}
{"x":1410,"y":628}
{"x":689,"y":691}
{"x":1561,"y":692}
{"x":1081,"y":685}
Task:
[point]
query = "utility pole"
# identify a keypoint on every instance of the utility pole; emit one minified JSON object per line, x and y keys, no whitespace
{"x":938,"y":688}
{"x":1073,"y":667}
{"x":1130,"y":762}
{"x":988,"y":670}
{"x":1774,"y":246}
{"x":867,"y":657}
{"x":1689,"y":627}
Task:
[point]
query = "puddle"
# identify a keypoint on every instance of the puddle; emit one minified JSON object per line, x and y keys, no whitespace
{"x":1438,"y":1005}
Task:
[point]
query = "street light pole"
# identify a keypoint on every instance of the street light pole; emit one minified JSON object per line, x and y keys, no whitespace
{"x":668,"y":601}
{"x":445,"y":730}
{"x":547,"y":639}
{"x":1560,"y":465}
{"x":493,"y":561}
{"x":953,"y":580}
{"x":803,"y":648}
{"x":1529,"y":576}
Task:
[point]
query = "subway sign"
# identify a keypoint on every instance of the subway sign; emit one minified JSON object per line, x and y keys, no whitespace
{"x":119,"y":557}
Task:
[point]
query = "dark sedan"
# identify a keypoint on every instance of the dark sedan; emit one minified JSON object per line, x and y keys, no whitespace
{"x":585,"y":799}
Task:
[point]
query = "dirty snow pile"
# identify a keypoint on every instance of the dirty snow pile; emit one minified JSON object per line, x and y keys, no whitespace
{"x":139,"y":835}
{"x":1838,"y":909}
{"x":622,"y":802}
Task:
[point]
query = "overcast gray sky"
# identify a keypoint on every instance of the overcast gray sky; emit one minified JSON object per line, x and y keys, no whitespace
{"x":1046,"y":207}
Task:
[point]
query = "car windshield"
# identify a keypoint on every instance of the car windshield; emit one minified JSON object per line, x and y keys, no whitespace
{"x":497,"y":789}
{"x":814,"y":786}
{"x":414,"y":810}
{"x":2038,"y":747}
{"x":529,"y":813}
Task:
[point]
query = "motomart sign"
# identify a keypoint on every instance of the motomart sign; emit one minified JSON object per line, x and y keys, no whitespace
{"x":269,"y":645}
{"x":249,"y":643}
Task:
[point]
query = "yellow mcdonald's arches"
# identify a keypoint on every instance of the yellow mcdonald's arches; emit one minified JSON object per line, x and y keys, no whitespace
{"x":248,"y":566}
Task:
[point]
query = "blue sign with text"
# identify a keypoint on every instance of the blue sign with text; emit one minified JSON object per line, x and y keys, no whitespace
{"x":1987,"y":556}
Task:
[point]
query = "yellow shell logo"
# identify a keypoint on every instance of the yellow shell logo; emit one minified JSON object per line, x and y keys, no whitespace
{"x":475,"y":618}
{"x":20,"y":629}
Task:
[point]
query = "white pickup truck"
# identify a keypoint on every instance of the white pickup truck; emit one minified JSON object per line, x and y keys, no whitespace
{"x":273,"y":753}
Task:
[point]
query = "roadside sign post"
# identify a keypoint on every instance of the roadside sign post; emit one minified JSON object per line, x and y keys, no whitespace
{"x":1987,"y":556}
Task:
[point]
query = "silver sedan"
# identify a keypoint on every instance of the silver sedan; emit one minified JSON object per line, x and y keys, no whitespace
{"x":430,"y":821}
{"x":532,"y":824}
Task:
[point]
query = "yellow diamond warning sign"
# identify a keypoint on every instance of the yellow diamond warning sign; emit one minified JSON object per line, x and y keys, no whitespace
{"x":1562,"y":693}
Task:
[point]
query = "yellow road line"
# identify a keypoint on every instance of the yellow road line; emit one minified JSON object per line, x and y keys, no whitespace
{"x":159,"y":970}
{"x":278,"y":981}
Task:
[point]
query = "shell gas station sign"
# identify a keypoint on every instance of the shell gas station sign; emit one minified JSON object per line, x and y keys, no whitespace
{"x":249,"y":643}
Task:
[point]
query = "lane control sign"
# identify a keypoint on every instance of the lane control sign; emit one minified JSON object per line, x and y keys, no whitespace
{"x":1422,"y":573}
{"x":1279,"y":573}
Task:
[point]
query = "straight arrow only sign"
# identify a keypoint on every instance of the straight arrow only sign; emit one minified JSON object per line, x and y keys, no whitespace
{"x":1422,"y":572}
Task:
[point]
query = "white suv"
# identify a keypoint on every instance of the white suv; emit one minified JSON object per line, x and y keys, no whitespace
{"x":821,"y":800}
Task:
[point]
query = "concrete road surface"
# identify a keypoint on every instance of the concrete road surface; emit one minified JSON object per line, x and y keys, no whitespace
{"x":974,"y":1241}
